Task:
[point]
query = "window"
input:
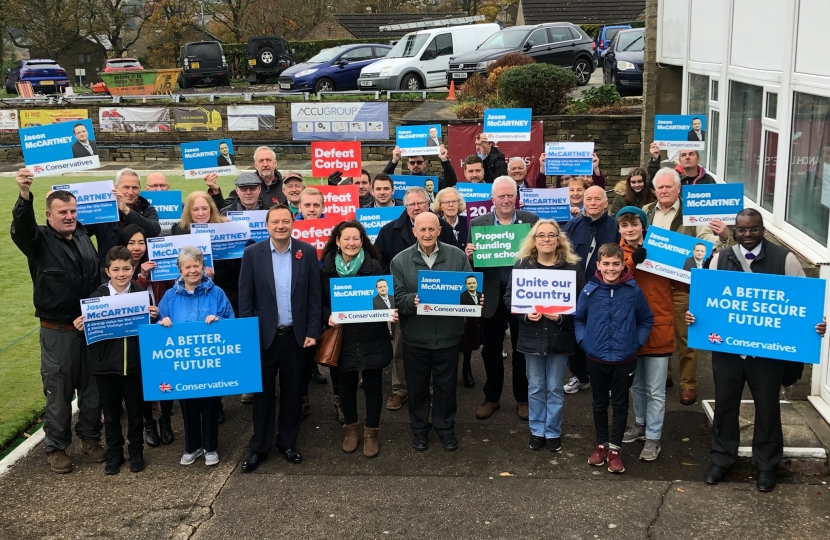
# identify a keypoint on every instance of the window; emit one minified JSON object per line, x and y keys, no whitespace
{"x":559,"y":33}
{"x":743,"y":136}
{"x":88,"y":58}
{"x":808,"y":189}
{"x":770,"y":166}
{"x":714,"y":136}
{"x":444,"y":44}
{"x":772,"y":106}
{"x":714,"y":90}
{"x":539,"y":37}
{"x":697,"y":101}
{"x":81,"y":58}
{"x":356,"y":55}
{"x":380,"y":52}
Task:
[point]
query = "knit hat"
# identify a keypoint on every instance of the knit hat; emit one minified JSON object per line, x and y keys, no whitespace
{"x":635,"y":211}
{"x":247,"y":179}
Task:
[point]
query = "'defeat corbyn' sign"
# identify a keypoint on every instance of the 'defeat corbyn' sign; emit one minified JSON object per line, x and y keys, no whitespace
{"x":329,"y":157}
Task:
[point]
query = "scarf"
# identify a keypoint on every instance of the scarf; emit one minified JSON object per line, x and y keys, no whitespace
{"x":348,"y":269}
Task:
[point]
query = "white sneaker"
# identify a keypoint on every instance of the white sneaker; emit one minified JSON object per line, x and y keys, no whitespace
{"x":211,"y":458}
{"x":188,"y":459}
{"x":503,"y":353}
{"x":573,"y":386}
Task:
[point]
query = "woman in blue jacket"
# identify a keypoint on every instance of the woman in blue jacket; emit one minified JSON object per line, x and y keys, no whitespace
{"x":193,"y":298}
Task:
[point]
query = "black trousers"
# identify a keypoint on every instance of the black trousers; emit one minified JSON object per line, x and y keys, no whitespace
{"x":372,"y":388}
{"x":492,"y":339}
{"x":309,"y":365}
{"x":113,"y":390}
{"x":764,"y":376}
{"x":201,"y":423}
{"x":166,"y":409}
{"x":616,"y":378}
{"x":442,"y":365}
{"x":284,"y":358}
{"x":576,"y":363}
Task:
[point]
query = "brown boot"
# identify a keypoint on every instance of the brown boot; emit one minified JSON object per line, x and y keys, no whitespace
{"x":370,"y":442}
{"x":350,"y":439}
{"x":93,"y":448}
{"x":60,"y":462}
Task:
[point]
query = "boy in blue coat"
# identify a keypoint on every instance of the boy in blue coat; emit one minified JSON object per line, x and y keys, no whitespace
{"x":612,"y":322}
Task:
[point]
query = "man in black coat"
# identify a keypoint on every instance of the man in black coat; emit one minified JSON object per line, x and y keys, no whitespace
{"x":225,"y":158}
{"x":383,"y":300}
{"x":470,"y":296}
{"x":495,"y":164}
{"x":265,"y":163}
{"x":83,"y":147}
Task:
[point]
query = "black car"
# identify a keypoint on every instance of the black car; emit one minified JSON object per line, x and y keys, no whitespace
{"x":203,"y":62}
{"x":268,"y":56}
{"x":623,"y":61}
{"x":561,"y":44}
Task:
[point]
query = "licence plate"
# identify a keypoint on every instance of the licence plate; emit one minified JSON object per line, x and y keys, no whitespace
{"x":252,"y":62}
{"x":365,"y":83}
{"x":194,"y":65}
{"x":47,"y":82}
{"x":459,"y":75}
{"x":285,"y":86}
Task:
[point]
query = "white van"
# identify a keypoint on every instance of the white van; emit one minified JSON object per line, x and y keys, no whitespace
{"x":421,"y":59}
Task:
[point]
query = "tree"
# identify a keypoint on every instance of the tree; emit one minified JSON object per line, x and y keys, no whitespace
{"x":115,"y":24}
{"x":47,"y":27}
{"x":168,"y":27}
{"x":235,"y":16}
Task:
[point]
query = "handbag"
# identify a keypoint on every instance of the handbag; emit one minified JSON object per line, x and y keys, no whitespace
{"x":328,"y":350}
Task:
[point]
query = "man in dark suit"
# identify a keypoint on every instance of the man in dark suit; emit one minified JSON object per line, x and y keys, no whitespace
{"x":225,"y":158}
{"x":696,"y":134}
{"x":470,"y":297}
{"x":83,"y":147}
{"x":280,"y":284}
{"x":699,"y":253}
{"x":382,"y":300}
{"x":433,"y":139}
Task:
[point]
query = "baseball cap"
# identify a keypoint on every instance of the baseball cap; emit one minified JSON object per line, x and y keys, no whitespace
{"x":292,"y":175}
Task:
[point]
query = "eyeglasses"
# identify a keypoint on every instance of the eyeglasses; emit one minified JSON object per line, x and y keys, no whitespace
{"x":542,"y":236}
{"x":416,"y":161}
{"x":246,"y":188}
{"x":744,"y":230}
{"x":414,"y":204}
{"x":449,"y":203}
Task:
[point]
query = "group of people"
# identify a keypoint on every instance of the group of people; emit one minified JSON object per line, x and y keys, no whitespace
{"x":620,"y":340}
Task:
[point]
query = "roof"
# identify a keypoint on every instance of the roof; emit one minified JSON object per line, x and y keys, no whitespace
{"x":366,"y":26}
{"x":582,"y":11}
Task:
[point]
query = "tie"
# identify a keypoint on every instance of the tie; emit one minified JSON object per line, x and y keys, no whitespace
{"x":750,"y":256}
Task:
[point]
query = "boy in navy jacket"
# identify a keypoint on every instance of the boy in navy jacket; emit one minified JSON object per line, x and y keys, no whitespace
{"x":612,"y":322}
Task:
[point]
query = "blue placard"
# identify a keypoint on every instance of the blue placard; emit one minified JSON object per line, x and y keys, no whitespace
{"x":362,"y":299}
{"x":704,"y":202}
{"x":352,"y":121}
{"x":673,"y":255}
{"x":404,"y":181}
{"x":255,"y":220}
{"x":507,"y":124}
{"x":474,"y":192}
{"x":763,"y":315}
{"x":569,"y":158}
{"x":227,"y":240}
{"x":168,"y":205}
{"x":453,"y":294}
{"x":552,"y":203}
{"x":419,"y":140}
{"x":373,"y":219}
{"x":59,"y":148}
{"x":204,"y":157}
{"x":96,"y":201}
{"x":164,"y":251}
{"x":680,"y":131}
{"x":112,"y":317}
{"x":195,"y":360}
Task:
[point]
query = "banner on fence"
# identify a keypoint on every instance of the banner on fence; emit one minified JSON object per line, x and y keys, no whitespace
{"x":134,"y":119}
{"x":251,"y":118}
{"x":340,"y":121}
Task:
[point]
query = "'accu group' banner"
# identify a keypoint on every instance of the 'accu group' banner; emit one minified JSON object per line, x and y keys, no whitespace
{"x":340,"y":121}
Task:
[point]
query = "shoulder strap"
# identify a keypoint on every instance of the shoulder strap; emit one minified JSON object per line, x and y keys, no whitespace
{"x":741,"y":259}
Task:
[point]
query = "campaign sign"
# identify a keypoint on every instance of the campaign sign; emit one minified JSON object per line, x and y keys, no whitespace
{"x":315,"y":232}
{"x":402,"y":182}
{"x":507,"y":124}
{"x":59,"y":148}
{"x":205,"y":157}
{"x":373,"y":219}
{"x":362,"y":299}
{"x":255,"y":220}
{"x":340,"y":201}
{"x":329,"y":157}
{"x":547,"y":203}
{"x":680,"y":131}
{"x":164,"y":251}
{"x":569,"y":158}
{"x":450,"y":294}
{"x":473,"y":192}
{"x":227,"y":240}
{"x":704,"y":202}
{"x":196,"y":360}
{"x":673,"y":255}
{"x":476,"y":209}
{"x":352,"y":121}
{"x":543,"y":291}
{"x":112,"y":317}
{"x":168,"y":205}
{"x":419,"y":140}
{"x":96,"y":202}
{"x":768,"y":316}
{"x":497,"y":245}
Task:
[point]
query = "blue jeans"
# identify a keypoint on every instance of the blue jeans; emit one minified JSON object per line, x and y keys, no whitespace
{"x":649,"y":394}
{"x":545,"y":373}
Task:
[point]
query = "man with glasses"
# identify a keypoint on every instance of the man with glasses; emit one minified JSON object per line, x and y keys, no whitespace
{"x":495,"y":164}
{"x":265,"y":163}
{"x":495,"y":313}
{"x":156,"y":181}
{"x":248,"y":187}
{"x":416,"y":167}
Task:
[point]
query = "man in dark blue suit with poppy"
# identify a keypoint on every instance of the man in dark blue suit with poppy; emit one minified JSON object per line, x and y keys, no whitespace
{"x":280,"y":284}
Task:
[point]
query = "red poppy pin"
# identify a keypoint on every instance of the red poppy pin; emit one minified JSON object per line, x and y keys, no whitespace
{"x":298,"y":255}
{"x":274,"y":200}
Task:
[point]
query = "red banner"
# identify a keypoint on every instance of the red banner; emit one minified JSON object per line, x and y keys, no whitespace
{"x":328,"y":157}
{"x":315,"y":232}
{"x":340,"y":202}
{"x":462,"y":143}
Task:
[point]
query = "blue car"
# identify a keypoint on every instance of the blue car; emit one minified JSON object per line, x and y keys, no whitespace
{"x":622,"y":63}
{"x":46,"y":76}
{"x":337,"y":68}
{"x":604,"y":37}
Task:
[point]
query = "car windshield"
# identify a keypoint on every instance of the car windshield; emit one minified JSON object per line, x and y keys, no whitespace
{"x":610,"y":33}
{"x":124,"y":63}
{"x":43,"y":64}
{"x":204,"y":50}
{"x":505,"y":38}
{"x":408,"y":46}
{"x":326,"y":55}
{"x":631,"y":41}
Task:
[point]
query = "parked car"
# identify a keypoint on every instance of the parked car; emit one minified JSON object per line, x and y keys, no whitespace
{"x":46,"y":76}
{"x":121,"y":64}
{"x":604,"y":37}
{"x":561,"y":44}
{"x":203,"y":62}
{"x":337,"y":68}
{"x":268,"y":57}
{"x":420,"y":59}
{"x":623,"y":61}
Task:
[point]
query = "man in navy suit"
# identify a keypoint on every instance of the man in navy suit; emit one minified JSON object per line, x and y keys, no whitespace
{"x":280,"y":284}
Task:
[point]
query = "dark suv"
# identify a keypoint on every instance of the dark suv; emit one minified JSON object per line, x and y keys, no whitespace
{"x":268,"y":56}
{"x":203,"y":62}
{"x":561,"y":44}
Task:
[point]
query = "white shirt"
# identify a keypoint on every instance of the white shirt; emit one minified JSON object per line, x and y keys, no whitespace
{"x":113,"y":292}
{"x":429,"y":259}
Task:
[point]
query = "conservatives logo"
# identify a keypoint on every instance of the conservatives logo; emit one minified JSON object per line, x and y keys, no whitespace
{"x":165,"y":388}
{"x":427,"y":308}
{"x":692,"y":219}
{"x":715,"y":338}
{"x":648,"y":264}
{"x":37,"y":168}
{"x":341,"y":316}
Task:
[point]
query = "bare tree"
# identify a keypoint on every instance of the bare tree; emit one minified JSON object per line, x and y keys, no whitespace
{"x":115,"y":24}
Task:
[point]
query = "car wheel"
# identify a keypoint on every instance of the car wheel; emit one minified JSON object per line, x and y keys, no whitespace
{"x":324,"y":85}
{"x":183,"y":83}
{"x":267,"y":56}
{"x":582,"y":70}
{"x":411,"y":82}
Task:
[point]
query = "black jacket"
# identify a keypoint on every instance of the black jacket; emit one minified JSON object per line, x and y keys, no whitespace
{"x":64,"y":272}
{"x":581,"y":230}
{"x":494,"y":165}
{"x":108,"y":357}
{"x":365,"y":345}
{"x":397,"y":235}
{"x":448,"y":180}
{"x":702,"y":177}
{"x":268,"y":196}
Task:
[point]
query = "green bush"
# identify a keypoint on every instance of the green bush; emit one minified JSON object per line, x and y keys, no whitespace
{"x":541,"y":87}
{"x":601,"y":96}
